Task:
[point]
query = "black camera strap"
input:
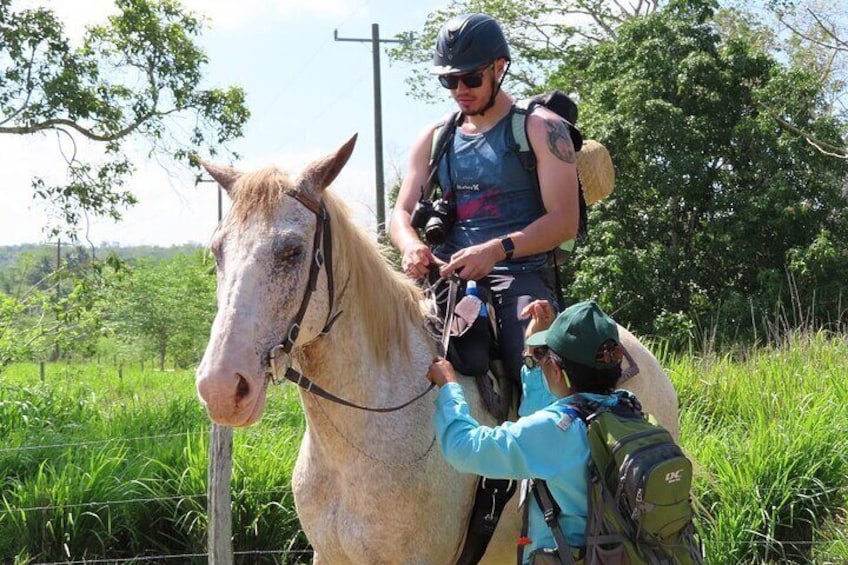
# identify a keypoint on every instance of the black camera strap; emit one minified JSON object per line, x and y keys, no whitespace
{"x":442,"y":143}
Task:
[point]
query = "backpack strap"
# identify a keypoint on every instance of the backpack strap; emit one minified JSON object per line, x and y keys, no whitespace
{"x":520,"y":142}
{"x":585,"y":409}
{"x":524,"y":506}
{"x":518,"y":129}
{"x":551,"y":511}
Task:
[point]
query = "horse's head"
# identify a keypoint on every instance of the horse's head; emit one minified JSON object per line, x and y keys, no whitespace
{"x":265,"y":250}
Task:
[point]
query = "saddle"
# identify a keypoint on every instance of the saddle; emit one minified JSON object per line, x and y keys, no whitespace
{"x":473,"y":347}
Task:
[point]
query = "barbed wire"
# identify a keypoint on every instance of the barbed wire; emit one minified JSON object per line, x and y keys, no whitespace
{"x":16,"y":509}
{"x":309,"y":552}
{"x":97,"y":503}
{"x":80,"y":444}
{"x":99,"y":442}
{"x":303,"y":552}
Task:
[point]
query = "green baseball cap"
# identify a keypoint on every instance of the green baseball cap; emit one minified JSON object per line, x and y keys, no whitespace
{"x":579,"y":333}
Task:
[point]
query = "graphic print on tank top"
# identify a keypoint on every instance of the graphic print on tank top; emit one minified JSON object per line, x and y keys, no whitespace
{"x":494,"y":194}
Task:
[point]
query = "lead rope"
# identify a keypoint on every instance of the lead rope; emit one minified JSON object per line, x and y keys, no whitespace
{"x":453,"y":289}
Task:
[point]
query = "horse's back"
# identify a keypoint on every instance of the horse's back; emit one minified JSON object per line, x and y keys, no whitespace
{"x":651,"y":384}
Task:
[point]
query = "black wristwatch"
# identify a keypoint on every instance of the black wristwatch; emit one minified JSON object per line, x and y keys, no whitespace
{"x":508,"y":247}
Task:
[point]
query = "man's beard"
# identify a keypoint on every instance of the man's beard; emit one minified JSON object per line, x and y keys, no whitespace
{"x":490,"y":102}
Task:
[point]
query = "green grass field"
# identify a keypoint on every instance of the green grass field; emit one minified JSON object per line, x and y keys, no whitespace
{"x":95,"y":466}
{"x":123,"y":469}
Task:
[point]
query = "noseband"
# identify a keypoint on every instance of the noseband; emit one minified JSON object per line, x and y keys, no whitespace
{"x":322,"y":254}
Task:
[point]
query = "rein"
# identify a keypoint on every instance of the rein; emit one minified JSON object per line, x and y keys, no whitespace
{"x":322,"y":245}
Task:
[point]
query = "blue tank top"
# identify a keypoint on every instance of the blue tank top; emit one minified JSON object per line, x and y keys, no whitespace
{"x":494,"y":194}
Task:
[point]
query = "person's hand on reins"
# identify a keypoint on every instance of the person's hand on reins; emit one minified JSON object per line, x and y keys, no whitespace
{"x":441,"y":372}
{"x":417,"y":260}
{"x":475,"y":262}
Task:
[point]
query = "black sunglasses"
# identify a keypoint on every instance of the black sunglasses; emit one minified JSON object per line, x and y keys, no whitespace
{"x":534,"y":359}
{"x":471,"y":80}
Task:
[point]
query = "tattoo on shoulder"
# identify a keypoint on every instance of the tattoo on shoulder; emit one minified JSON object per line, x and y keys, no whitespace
{"x":559,"y":141}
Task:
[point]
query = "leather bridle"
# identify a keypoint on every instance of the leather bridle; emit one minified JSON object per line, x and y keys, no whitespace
{"x":322,"y":255}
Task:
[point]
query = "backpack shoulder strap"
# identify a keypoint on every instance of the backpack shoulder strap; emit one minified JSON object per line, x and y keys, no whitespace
{"x":518,"y":132}
{"x":627,"y":402}
{"x":586,"y":409}
{"x":520,"y":141}
{"x":551,"y":511}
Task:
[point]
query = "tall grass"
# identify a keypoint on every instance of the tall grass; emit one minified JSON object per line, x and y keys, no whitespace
{"x":768,"y":434}
{"x":122,"y":467}
{"x":95,"y":466}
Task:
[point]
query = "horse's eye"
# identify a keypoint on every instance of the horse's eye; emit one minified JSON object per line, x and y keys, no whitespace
{"x":292,"y":254}
{"x":288,"y":253}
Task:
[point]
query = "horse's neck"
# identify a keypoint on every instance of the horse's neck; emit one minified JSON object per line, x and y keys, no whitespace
{"x":340,"y":362}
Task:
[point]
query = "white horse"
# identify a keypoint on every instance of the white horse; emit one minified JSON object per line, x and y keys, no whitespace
{"x":369,"y":487}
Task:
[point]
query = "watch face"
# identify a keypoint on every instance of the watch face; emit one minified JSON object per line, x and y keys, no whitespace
{"x":508,"y":247}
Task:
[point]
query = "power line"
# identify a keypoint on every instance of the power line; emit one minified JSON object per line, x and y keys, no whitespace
{"x":307,"y":64}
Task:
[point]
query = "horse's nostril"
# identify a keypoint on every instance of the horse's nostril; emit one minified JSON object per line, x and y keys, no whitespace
{"x":242,"y":388}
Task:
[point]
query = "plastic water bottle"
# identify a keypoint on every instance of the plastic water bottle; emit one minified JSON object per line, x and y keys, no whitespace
{"x":471,"y":289}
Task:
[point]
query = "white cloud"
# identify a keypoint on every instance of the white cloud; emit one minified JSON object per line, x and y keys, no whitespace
{"x":226,"y":14}
{"x":222,"y":14}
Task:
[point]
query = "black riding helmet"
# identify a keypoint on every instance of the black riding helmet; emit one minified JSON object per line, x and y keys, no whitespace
{"x":468,"y":42}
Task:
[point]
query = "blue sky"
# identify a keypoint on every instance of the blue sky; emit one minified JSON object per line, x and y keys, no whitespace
{"x":307,"y":93}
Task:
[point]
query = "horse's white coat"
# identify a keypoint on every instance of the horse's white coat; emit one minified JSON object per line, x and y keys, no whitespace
{"x":369,"y":488}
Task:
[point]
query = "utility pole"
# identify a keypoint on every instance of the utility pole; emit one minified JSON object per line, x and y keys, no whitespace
{"x":219,"y":535}
{"x":378,"y":118}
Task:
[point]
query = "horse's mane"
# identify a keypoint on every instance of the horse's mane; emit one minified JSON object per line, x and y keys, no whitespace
{"x":386,"y":300}
{"x":381,"y":299}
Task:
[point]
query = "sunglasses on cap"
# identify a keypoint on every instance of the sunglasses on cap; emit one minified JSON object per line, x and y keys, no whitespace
{"x":470,"y":80}
{"x":533,"y":359}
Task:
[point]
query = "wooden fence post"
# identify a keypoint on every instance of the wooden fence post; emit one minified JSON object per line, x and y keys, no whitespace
{"x":220,"y":534}
{"x":41,"y":370}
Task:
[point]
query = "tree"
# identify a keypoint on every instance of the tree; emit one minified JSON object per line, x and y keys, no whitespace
{"x":819,"y":39}
{"x":62,"y":311}
{"x":722,"y":210}
{"x":134,"y":79}
{"x":714,"y":194}
{"x":539,"y":32}
{"x":166,"y":305}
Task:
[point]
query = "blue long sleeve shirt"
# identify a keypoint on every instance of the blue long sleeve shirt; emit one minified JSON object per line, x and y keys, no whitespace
{"x":548,"y":443}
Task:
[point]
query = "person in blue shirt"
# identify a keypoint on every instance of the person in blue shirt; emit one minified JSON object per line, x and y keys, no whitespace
{"x":579,"y":352}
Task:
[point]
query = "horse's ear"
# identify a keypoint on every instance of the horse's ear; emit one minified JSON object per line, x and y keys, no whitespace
{"x":324,"y":171}
{"x":225,"y":176}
